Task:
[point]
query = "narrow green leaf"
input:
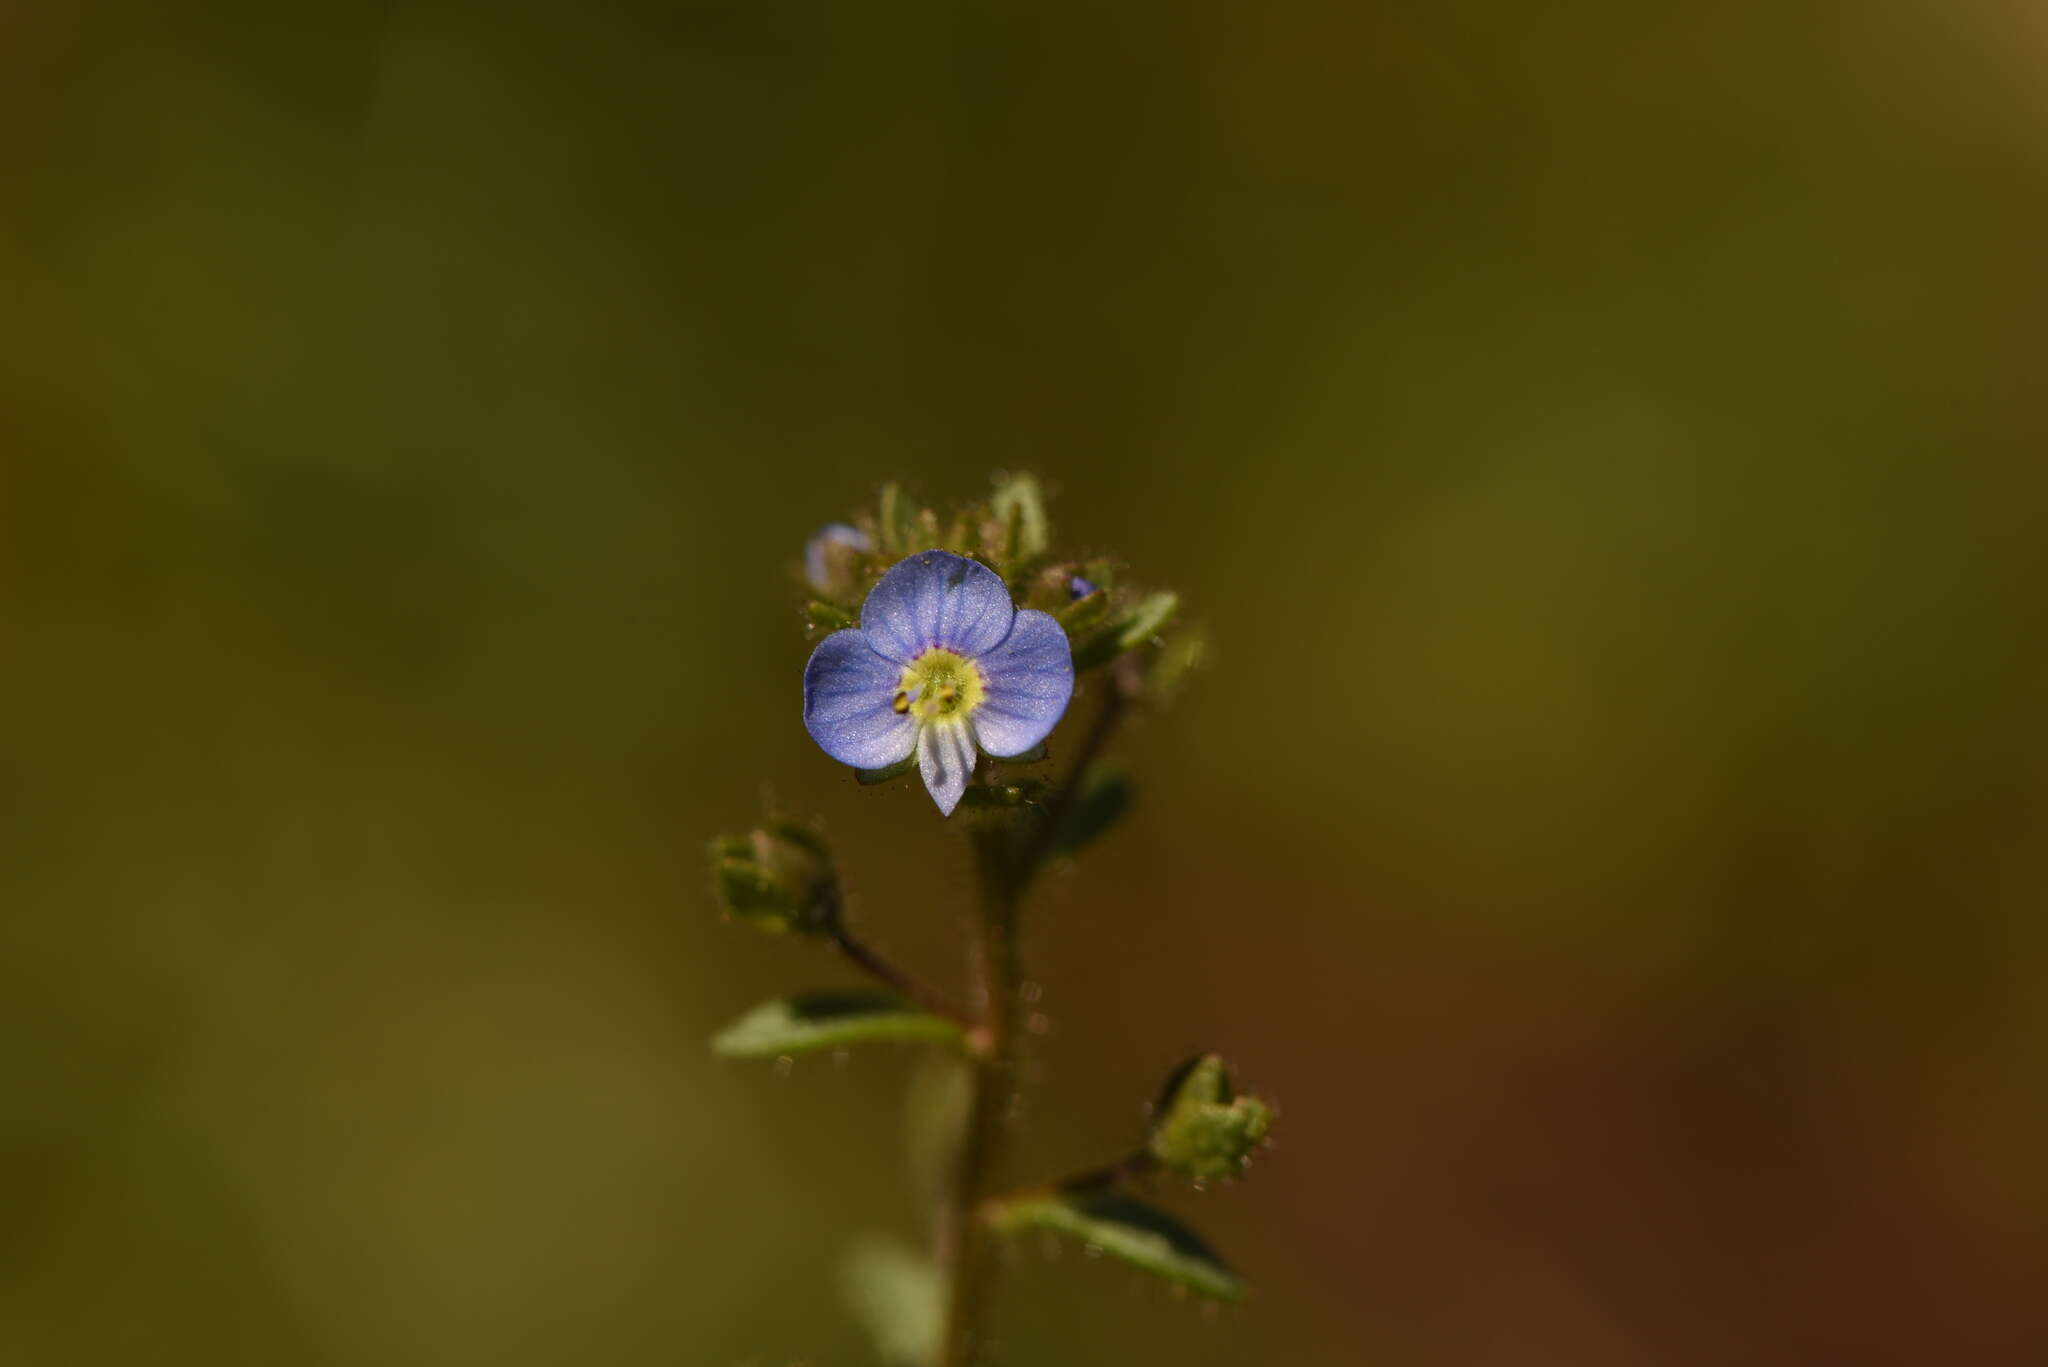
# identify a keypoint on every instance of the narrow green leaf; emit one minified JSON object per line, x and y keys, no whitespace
{"x":830,"y":616}
{"x":810,"y":1021}
{"x":895,"y":1292}
{"x":1145,"y":619}
{"x":1102,"y":799}
{"x":892,"y":520}
{"x":1127,"y":630}
{"x":1019,"y":507}
{"x":1127,"y":1228}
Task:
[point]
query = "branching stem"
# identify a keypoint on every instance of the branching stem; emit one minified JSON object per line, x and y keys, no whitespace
{"x":900,"y":980}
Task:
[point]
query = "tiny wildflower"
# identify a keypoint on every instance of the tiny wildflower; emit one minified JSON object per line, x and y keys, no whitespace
{"x":827,"y":555}
{"x":941,"y":663}
{"x":1079,"y":588}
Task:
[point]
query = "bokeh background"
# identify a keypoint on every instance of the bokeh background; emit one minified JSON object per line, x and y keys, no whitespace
{"x":1606,"y":442}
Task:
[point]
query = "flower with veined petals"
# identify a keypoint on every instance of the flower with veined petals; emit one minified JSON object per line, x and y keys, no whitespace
{"x":942,"y":663}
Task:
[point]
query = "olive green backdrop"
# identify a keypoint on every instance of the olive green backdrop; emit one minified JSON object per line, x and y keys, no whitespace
{"x":1606,"y":442}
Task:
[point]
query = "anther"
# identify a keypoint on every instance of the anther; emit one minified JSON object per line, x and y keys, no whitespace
{"x":901,"y":702}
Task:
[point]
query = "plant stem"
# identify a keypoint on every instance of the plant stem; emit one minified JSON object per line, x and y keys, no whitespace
{"x":1003,"y":865}
{"x":964,"y":1251}
{"x":907,"y":984}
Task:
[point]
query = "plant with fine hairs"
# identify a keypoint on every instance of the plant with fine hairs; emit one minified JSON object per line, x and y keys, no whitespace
{"x":957,"y":647}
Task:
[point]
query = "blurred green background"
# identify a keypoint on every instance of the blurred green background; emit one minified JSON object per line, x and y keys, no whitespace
{"x":1606,"y":442}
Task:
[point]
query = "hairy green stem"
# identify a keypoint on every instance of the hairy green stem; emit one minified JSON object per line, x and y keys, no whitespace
{"x":964,"y":1252}
{"x":1005,"y":858}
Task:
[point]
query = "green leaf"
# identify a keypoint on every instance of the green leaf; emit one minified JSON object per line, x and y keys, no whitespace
{"x":1127,"y":1228}
{"x":1103,"y":797}
{"x":1127,"y":630}
{"x":897,"y":1295}
{"x":1146,"y":619}
{"x":832,"y":1019}
{"x":830,"y":616}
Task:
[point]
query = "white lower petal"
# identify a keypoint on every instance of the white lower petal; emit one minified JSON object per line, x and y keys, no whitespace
{"x":945,"y":756}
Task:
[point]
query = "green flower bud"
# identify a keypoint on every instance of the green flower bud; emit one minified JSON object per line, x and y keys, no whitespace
{"x":779,"y":878}
{"x":1201,"y":1128}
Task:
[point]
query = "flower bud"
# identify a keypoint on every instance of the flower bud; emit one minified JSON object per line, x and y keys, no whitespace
{"x":780,"y":878}
{"x":832,"y":558}
{"x":1201,"y":1128}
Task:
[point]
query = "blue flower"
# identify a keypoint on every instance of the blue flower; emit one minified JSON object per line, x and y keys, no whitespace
{"x":825,"y":564}
{"x":941,"y":663}
{"x":1079,"y":588}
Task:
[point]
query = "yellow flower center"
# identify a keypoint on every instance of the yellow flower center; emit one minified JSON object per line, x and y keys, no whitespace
{"x":938,"y":684}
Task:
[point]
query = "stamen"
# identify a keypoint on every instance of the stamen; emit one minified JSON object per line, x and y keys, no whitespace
{"x":901,"y":702}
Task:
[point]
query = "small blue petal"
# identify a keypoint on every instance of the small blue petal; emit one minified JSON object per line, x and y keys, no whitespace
{"x":1026,"y":682}
{"x":818,"y":552}
{"x":945,"y":756}
{"x":1079,"y":588}
{"x":937,"y":599}
{"x":848,"y":691}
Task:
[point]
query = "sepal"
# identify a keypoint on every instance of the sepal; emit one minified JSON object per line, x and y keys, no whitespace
{"x":780,"y":878}
{"x":1201,"y":1127}
{"x":1083,"y":615}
